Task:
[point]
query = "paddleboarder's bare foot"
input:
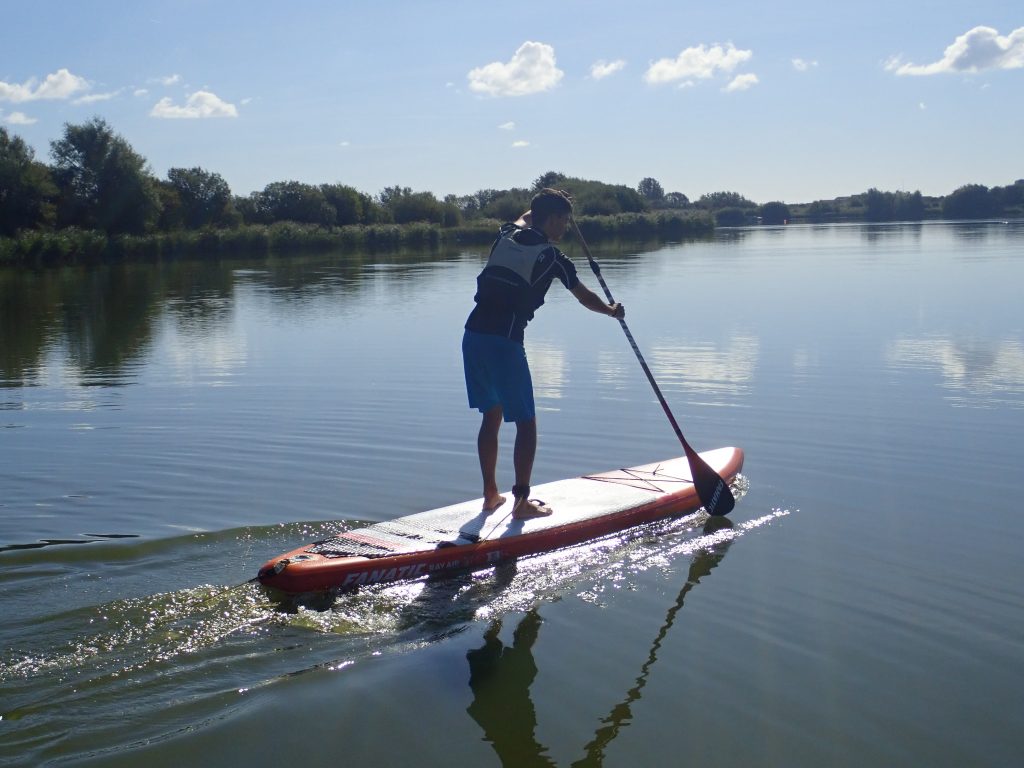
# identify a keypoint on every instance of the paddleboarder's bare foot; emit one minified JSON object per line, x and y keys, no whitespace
{"x":493,"y":502}
{"x":527,"y":508}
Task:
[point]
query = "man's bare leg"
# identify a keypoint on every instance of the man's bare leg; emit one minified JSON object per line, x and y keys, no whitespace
{"x":525,"y":453}
{"x":487,"y":448}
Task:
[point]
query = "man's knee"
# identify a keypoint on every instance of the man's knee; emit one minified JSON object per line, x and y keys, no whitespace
{"x":491,"y":421}
{"x":527,"y":425}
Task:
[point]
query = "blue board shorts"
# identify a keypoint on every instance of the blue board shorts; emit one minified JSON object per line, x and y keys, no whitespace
{"x":497,"y":374}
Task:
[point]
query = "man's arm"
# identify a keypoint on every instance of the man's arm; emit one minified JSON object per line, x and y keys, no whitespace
{"x":594,"y":303}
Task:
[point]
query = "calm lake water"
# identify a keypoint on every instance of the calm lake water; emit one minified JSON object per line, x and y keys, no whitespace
{"x":165,"y":429}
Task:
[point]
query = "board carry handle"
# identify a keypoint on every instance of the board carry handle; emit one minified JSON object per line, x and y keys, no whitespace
{"x":712,"y":490}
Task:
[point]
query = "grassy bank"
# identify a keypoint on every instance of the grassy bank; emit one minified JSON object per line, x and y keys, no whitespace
{"x":72,"y":246}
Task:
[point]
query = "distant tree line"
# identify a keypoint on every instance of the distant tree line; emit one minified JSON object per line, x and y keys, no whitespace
{"x":972,"y":201}
{"x":96,"y":182}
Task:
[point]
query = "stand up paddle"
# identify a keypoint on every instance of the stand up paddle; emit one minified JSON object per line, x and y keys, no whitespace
{"x":712,"y":490}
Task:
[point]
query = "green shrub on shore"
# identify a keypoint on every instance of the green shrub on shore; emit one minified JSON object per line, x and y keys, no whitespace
{"x":662,"y":225}
{"x":70,"y":246}
{"x":62,"y":247}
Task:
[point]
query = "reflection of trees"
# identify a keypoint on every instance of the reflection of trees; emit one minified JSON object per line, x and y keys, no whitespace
{"x":973,"y":234}
{"x":877,"y":233}
{"x":199,"y":300}
{"x":501,"y":676}
{"x":107,"y":319}
{"x":102,"y":318}
{"x":27,"y":321}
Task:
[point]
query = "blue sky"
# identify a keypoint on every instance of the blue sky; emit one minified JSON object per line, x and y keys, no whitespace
{"x":792,"y":101}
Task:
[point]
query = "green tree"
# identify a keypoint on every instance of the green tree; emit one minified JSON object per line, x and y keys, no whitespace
{"x":389,"y":196}
{"x":507,"y":205}
{"x":676,"y":200}
{"x":172,"y":212}
{"x":775,"y":213}
{"x":293,"y":201}
{"x":419,"y":206}
{"x":595,"y":198}
{"x":346,"y":201}
{"x":205,"y":197}
{"x":731,"y":217}
{"x":469,"y":206}
{"x":26,"y":189}
{"x":452,"y":211}
{"x":1011,"y":196}
{"x":103,"y":183}
{"x":717,"y":200}
{"x":651,"y":191}
{"x":595,"y":201}
{"x":908,"y":206}
{"x":879,"y":206}
{"x":549,"y":180}
{"x":248,"y":209}
{"x":484,"y":197}
{"x":820,"y":210}
{"x":406,"y":206}
{"x":972,"y":201}
{"x":373,"y":212}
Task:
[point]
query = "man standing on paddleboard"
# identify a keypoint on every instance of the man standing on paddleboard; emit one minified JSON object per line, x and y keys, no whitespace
{"x":523,"y":262}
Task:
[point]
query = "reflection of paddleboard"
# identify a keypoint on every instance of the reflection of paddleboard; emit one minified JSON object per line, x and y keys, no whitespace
{"x":461,"y":537}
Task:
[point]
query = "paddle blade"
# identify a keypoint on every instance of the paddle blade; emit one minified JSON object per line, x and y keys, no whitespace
{"x":713,"y":491}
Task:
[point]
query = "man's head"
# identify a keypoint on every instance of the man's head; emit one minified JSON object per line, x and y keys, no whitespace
{"x":550,"y":210}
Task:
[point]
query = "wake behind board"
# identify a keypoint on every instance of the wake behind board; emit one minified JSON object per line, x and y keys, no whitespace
{"x":462,"y":537}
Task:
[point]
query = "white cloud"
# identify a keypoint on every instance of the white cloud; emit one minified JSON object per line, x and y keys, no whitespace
{"x":698,"y":62}
{"x":59,"y":85}
{"x":509,"y":126}
{"x":200,"y":104}
{"x":520,"y":144}
{"x":140,"y":92}
{"x":802,"y":65}
{"x":741,"y":83}
{"x":92,"y":98}
{"x":602,"y":69}
{"x":169,"y":80}
{"x":19,"y":118}
{"x":976,"y":50}
{"x":531,"y":70}
{"x":344,"y":143}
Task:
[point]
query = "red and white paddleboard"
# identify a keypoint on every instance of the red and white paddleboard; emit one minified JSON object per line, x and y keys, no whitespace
{"x":462,"y":537}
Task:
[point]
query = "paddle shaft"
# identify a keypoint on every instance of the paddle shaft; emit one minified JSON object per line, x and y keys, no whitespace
{"x":717,"y":499}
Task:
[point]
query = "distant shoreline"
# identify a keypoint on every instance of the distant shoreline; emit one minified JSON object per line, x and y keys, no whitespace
{"x":72,"y":246}
{"x":99,"y":201}
{"x":283,"y":239}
